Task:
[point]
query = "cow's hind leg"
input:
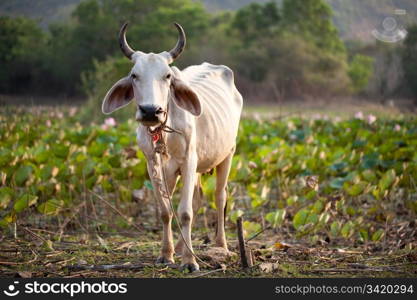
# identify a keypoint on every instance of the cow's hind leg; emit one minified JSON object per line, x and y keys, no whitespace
{"x":222,"y":170}
{"x":167,"y":250}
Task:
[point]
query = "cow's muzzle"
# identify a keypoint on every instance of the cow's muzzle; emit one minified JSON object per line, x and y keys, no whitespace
{"x":150,"y":115}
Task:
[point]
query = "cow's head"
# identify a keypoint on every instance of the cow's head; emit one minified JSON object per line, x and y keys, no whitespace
{"x":152,"y":83}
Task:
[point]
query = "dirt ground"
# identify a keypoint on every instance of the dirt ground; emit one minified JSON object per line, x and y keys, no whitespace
{"x":32,"y":254}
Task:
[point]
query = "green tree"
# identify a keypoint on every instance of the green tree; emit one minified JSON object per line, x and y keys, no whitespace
{"x":312,"y":19}
{"x":52,"y":62}
{"x":22,"y":46}
{"x":283,"y":55}
{"x":73,"y":47}
{"x":93,"y":36}
{"x":256,"y":20}
{"x":360,"y":72}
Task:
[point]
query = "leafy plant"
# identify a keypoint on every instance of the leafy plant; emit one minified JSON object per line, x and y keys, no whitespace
{"x":309,"y":176}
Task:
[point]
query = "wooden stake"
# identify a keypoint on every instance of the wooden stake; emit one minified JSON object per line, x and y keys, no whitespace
{"x":242,"y":247}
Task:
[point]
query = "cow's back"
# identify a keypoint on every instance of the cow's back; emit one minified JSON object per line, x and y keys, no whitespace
{"x":222,"y":106}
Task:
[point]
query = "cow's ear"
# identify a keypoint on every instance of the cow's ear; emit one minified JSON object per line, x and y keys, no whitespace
{"x":185,"y":97}
{"x":120,"y":94}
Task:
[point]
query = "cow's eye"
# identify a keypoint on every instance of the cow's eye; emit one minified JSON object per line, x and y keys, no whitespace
{"x":134,"y":76}
{"x":168,"y":76}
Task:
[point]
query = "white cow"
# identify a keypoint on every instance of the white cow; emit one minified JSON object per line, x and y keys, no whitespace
{"x":203,"y":104}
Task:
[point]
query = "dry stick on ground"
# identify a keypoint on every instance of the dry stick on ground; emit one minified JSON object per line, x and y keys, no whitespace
{"x":258,"y":233}
{"x":117,"y":211}
{"x":11,"y":263}
{"x":15,"y":250}
{"x":104,"y":268}
{"x":399,"y":264}
{"x":223,"y":269}
{"x":58,"y":261}
{"x":353,"y":270}
{"x":34,"y":234}
{"x":21,"y":263}
{"x":82,"y":274}
{"x":242,"y":247}
{"x":43,"y":230}
{"x":68,"y":219}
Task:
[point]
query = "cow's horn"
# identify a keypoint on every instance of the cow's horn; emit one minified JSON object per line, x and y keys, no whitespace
{"x":179,"y":47}
{"x":124,"y":46}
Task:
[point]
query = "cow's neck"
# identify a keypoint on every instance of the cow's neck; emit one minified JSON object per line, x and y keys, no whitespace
{"x":175,"y":117}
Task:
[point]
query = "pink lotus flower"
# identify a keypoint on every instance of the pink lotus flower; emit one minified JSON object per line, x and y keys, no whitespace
{"x":397,"y":127}
{"x":371,"y":119}
{"x":48,"y":123}
{"x":359,"y":115}
{"x":72,"y":111}
{"x":316,"y":117}
{"x":108,"y":123}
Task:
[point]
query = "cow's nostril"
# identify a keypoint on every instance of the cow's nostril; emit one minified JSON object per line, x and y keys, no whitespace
{"x":159,"y":111}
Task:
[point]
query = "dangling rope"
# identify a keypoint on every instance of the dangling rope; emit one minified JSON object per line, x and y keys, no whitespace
{"x":160,"y":148}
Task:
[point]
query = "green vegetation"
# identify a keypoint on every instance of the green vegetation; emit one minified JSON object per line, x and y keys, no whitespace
{"x":22,"y":45}
{"x":346,"y":184}
{"x":267,"y":26}
{"x":71,"y":48}
{"x":360,"y":71}
{"x":325,"y":178}
{"x":352,"y":17}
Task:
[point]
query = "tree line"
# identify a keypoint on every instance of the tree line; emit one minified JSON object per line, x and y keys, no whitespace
{"x":277,"y":52}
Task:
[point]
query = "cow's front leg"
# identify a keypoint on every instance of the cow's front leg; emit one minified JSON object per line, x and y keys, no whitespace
{"x":197,"y":202}
{"x":167,"y":250}
{"x":185,"y":213}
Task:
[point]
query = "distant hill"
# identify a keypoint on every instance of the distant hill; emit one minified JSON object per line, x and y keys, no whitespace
{"x":355,"y":18}
{"x":46,"y":11}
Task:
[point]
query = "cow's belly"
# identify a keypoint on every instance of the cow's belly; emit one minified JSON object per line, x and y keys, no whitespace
{"x":208,"y":158}
{"x":216,"y":133}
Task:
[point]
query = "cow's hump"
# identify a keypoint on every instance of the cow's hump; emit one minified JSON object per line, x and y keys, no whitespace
{"x":207,"y":71}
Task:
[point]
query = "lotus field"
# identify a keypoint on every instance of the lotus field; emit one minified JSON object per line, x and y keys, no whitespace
{"x":348,"y":182}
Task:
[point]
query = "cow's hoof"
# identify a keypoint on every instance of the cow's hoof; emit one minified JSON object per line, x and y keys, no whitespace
{"x":164,"y":261}
{"x":192,"y":267}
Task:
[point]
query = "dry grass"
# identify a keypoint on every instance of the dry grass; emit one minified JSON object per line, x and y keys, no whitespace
{"x":134,"y":255}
